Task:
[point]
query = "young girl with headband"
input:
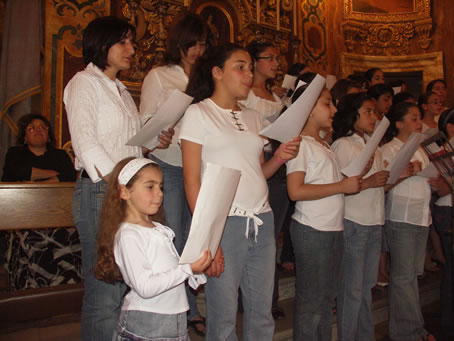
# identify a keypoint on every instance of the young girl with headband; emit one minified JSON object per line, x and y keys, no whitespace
{"x":135,"y":246}
{"x":315,"y":182}
{"x":219,"y":130}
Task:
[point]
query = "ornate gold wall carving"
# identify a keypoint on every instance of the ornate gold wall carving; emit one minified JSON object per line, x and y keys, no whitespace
{"x":430,"y":64}
{"x":386,"y":33}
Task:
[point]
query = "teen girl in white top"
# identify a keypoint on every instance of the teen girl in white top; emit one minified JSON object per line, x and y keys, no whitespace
{"x":364,"y":217}
{"x":186,"y":42}
{"x":134,"y":247}
{"x":315,"y":182}
{"x":407,"y":218}
{"x":217,"y":129}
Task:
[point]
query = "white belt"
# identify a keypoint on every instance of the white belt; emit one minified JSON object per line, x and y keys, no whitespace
{"x":236,"y":211}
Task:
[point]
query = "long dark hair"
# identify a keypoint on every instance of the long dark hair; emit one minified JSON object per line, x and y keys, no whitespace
{"x":446,"y":117}
{"x":201,"y":83}
{"x":397,"y":115}
{"x":347,"y":114}
{"x":23,"y":123}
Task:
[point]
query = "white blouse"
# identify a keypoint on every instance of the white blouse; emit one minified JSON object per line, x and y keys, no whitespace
{"x":408,"y":202}
{"x":157,"y":86}
{"x":321,"y":166}
{"x":148,"y":262}
{"x":102,"y":117}
{"x":368,"y":206}
{"x":268,"y":110}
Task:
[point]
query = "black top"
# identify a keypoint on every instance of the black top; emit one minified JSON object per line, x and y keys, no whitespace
{"x":19,"y":161}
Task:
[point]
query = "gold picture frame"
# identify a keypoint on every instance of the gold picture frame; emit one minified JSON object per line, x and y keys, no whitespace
{"x":421,"y":11}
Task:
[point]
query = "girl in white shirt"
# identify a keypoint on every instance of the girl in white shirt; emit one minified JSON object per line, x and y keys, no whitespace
{"x":186,"y":42}
{"x":135,"y":246}
{"x":407,"y":220}
{"x":315,"y":182}
{"x":364,"y":217}
{"x":217,"y":129}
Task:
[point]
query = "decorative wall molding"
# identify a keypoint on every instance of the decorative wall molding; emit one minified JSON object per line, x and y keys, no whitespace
{"x":387,"y":33}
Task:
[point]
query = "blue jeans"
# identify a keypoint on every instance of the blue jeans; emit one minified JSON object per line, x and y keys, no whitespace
{"x":318,"y":256}
{"x":358,"y":276}
{"x":442,"y":218}
{"x":102,"y":301}
{"x":135,"y":325}
{"x":178,"y":218}
{"x":249,"y":264}
{"x":407,"y":245}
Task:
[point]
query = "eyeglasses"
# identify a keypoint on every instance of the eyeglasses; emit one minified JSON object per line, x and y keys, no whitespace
{"x":271,"y":58}
{"x":435,"y":102}
{"x":31,"y":128}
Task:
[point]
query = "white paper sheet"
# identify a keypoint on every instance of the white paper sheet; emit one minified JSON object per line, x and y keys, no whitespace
{"x":403,"y":157}
{"x":356,"y":167}
{"x":330,"y":81}
{"x":292,"y":120}
{"x":397,"y":89}
{"x":166,"y":117}
{"x":289,"y":82}
{"x":430,"y":171}
{"x":213,"y":204}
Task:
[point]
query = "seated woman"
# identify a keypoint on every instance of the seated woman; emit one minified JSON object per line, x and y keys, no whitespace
{"x":35,"y":157}
{"x":39,"y":257}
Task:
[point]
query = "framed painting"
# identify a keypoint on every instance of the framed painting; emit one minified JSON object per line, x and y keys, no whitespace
{"x":386,"y":10}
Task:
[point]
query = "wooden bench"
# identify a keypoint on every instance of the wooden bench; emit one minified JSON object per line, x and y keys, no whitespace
{"x":31,"y":205}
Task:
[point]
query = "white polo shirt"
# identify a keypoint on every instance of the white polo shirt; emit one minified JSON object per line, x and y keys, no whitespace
{"x":148,"y":262}
{"x":408,"y":202}
{"x":368,"y":206}
{"x":157,"y":86}
{"x":321,"y":166}
{"x":214,"y":128}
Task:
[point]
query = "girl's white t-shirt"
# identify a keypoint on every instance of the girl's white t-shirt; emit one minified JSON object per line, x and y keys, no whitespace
{"x":148,"y":262}
{"x":321,"y":166}
{"x":223,"y":143}
{"x":268,"y":110}
{"x":408,"y":202}
{"x":368,"y":206}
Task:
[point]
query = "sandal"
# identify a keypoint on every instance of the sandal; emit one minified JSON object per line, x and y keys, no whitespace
{"x":195,"y":325}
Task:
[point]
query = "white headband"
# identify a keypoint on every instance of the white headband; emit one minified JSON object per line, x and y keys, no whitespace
{"x":131,"y":168}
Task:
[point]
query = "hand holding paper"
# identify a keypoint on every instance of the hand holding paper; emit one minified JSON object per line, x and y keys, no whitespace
{"x":166,"y":117}
{"x":210,"y":214}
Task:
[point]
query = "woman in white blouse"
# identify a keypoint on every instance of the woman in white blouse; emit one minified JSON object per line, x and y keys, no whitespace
{"x":102,"y":117}
{"x":185,"y":44}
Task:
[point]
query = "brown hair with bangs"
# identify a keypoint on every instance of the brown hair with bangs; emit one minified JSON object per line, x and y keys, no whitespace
{"x":113,"y":213}
{"x":185,"y":33}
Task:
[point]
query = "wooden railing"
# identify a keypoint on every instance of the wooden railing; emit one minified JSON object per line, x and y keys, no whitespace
{"x":31,"y":205}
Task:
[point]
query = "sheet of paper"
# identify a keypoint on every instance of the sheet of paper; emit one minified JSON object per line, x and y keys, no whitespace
{"x":403,"y":157}
{"x":397,"y":89}
{"x":430,"y":171}
{"x":166,"y":117}
{"x":330,"y":81}
{"x":213,"y":204}
{"x":289,"y":82}
{"x":292,"y":120}
{"x":356,"y":167}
